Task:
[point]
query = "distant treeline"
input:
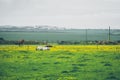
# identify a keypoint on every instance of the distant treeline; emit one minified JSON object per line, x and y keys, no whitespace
{"x":43,"y":42}
{"x":90,"y":42}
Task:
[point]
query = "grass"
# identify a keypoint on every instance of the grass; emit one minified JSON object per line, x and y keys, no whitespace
{"x":60,"y":63}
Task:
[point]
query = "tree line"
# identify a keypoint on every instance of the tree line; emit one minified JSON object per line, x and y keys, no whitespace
{"x":60,"y":42}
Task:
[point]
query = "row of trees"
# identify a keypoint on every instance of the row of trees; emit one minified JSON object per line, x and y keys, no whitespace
{"x":19,"y":42}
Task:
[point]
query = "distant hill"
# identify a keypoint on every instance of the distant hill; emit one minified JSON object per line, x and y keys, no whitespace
{"x":30,"y":28}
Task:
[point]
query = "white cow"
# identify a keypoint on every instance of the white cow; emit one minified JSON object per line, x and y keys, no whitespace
{"x":42,"y":48}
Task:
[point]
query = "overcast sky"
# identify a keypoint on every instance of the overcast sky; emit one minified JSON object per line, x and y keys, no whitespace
{"x":62,"y":13}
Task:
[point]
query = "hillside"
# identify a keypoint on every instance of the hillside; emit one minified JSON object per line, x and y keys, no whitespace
{"x":30,"y":28}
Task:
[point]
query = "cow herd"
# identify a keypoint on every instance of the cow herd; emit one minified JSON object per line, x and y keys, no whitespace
{"x":42,"y":48}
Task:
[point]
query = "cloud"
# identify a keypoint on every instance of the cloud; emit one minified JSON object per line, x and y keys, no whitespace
{"x":72,"y":13}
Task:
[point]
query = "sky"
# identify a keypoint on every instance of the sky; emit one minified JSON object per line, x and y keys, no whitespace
{"x":61,"y":13}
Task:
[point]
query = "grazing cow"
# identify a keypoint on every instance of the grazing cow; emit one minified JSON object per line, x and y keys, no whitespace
{"x":48,"y":46}
{"x":42,"y":48}
{"x":20,"y":42}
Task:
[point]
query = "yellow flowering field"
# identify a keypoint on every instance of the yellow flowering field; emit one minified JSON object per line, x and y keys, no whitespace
{"x":76,"y":48}
{"x":72,"y":48}
{"x":16,"y":47}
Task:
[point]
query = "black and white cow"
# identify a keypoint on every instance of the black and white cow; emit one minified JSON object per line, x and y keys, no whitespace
{"x":42,"y":48}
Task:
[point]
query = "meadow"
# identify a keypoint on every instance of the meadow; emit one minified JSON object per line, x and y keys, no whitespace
{"x":61,"y":62}
{"x":65,"y":35}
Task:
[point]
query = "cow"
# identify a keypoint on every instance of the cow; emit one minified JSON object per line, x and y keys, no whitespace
{"x":42,"y":48}
{"x":20,"y":42}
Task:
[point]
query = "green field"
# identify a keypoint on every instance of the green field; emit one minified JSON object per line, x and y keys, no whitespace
{"x":66,"y":35}
{"x":96,"y":63}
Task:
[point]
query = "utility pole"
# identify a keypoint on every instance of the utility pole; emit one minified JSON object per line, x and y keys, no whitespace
{"x":109,"y":34}
{"x":86,"y":36}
